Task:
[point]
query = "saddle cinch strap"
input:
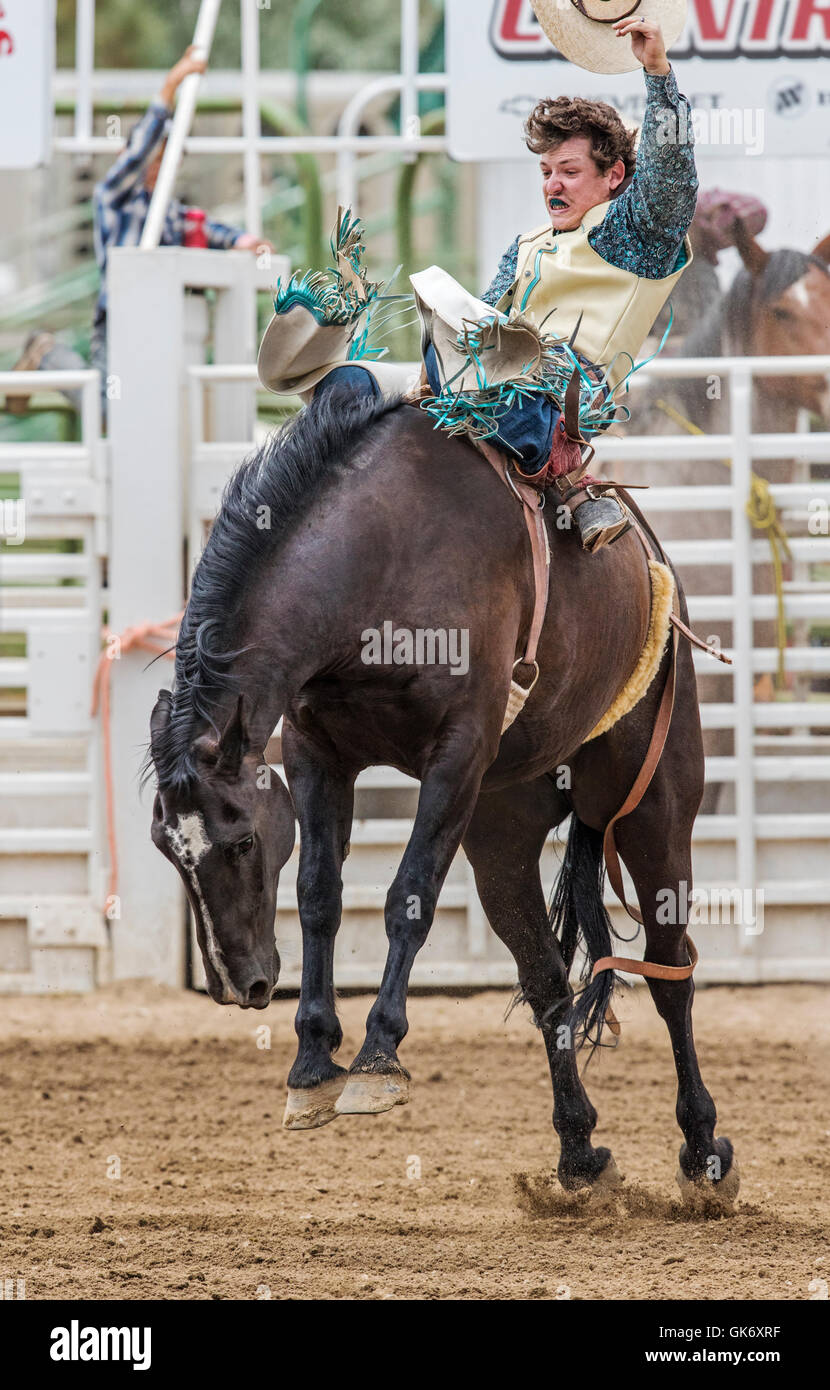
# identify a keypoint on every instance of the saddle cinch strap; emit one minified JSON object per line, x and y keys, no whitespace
{"x":532,"y":505}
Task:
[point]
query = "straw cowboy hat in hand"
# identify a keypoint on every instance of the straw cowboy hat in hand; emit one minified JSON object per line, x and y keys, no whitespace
{"x":583,"y":30}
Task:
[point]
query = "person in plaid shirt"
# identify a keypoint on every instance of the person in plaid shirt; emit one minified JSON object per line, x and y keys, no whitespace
{"x":121,"y":202}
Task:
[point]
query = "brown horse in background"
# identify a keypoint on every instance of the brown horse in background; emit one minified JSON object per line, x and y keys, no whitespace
{"x":778,"y":305}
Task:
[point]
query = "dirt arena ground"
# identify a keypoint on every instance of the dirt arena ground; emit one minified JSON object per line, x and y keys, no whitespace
{"x":445,"y":1198}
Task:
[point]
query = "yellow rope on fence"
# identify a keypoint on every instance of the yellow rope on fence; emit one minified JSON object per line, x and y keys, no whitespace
{"x":763,"y":515}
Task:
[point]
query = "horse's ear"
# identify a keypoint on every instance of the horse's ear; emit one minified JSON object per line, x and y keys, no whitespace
{"x":822,"y":250}
{"x":233,"y":743}
{"x":160,"y":717}
{"x":753,"y":256}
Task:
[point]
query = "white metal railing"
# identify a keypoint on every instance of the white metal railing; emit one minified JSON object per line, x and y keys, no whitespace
{"x":346,"y":144}
{"x":349,"y":144}
{"x":743,"y":447}
{"x":63,"y":497}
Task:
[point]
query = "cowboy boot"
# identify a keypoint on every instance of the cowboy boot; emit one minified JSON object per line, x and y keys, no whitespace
{"x":600,"y":518}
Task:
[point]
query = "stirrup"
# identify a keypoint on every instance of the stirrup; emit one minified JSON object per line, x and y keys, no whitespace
{"x":605,"y":535}
{"x":594,"y":537}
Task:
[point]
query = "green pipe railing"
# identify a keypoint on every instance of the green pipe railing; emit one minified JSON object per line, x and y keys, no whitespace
{"x":301,"y":52}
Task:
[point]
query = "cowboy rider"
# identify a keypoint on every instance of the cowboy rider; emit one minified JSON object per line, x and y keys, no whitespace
{"x":618,"y":222}
{"x":631,"y":244}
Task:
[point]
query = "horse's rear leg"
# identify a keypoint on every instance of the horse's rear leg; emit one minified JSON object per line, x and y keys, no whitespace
{"x":504,"y":842}
{"x":323,"y":800}
{"x":377,"y":1080}
{"x":656,"y":850}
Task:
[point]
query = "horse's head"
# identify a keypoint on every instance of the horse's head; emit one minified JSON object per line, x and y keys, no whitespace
{"x":228,"y":830}
{"x":788,"y":315}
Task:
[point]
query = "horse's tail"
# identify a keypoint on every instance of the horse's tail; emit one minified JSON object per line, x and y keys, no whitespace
{"x":578,"y":914}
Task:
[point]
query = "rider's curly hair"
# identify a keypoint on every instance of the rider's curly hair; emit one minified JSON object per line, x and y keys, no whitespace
{"x":554,"y":120}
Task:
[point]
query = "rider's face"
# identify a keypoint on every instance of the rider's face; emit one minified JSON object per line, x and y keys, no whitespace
{"x":572,"y":183}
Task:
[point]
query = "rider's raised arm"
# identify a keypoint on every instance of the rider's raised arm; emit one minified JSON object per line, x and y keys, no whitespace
{"x":644,"y":227}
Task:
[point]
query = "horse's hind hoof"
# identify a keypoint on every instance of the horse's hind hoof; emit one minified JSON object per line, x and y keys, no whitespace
{"x":371,"y":1093}
{"x":313,"y":1106}
{"x":712,"y":1195}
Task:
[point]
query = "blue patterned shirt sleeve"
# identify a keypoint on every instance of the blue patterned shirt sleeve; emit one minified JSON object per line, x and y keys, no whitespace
{"x":505,"y":275}
{"x":644,"y":227}
{"x":220,"y":236}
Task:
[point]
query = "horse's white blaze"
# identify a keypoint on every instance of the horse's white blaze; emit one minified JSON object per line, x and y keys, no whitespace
{"x":800,"y":294}
{"x":189,"y":840}
{"x":190,"y":843}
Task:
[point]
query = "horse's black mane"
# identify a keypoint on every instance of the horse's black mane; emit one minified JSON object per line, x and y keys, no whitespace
{"x":284,"y":476}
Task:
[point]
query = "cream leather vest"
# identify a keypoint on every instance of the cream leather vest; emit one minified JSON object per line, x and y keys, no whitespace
{"x":560,"y":276}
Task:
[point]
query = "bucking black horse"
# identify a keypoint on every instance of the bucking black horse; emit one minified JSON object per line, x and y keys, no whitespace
{"x":356,"y":514}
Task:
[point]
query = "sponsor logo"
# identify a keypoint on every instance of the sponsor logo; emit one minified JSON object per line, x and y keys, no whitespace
{"x":789,"y":97}
{"x":715,"y":29}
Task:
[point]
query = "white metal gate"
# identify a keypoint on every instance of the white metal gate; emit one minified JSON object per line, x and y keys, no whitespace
{"x":53,"y":932}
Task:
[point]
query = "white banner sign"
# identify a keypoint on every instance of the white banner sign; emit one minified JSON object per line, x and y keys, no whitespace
{"x":27,"y":57}
{"x":755,"y":72}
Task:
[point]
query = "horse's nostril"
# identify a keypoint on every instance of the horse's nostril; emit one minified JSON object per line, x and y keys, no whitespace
{"x":258,"y":991}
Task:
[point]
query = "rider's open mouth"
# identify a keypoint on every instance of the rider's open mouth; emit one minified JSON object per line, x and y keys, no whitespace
{"x":556,"y":204}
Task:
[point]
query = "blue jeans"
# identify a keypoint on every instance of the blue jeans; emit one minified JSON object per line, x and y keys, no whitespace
{"x":526,"y":428}
{"x":356,"y":380}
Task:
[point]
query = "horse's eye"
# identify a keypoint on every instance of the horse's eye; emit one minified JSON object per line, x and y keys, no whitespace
{"x":234,"y":852}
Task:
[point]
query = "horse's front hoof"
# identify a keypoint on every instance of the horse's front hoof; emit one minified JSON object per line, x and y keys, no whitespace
{"x":598,"y":1171}
{"x":371,"y":1093}
{"x":609,"y":1181}
{"x":707,"y":1190}
{"x":313,"y":1106}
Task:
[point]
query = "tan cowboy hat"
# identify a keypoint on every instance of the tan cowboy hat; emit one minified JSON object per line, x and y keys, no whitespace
{"x":583,"y":32}
{"x":297,"y":351}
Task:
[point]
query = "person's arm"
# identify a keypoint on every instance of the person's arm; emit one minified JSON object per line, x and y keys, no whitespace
{"x":505,"y":275}
{"x":122,"y":177}
{"x":644,"y":227}
{"x":221,"y":236}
